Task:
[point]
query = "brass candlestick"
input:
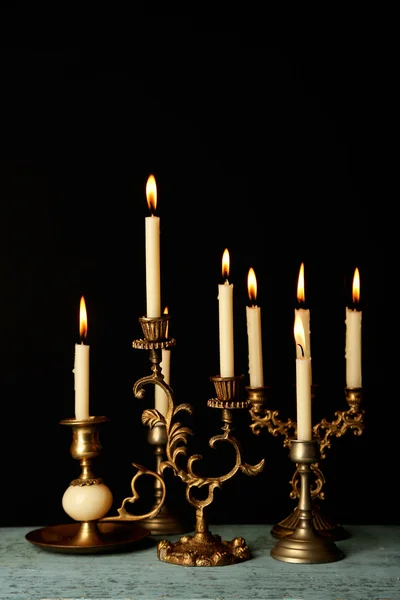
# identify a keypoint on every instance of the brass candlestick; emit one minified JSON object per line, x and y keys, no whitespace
{"x":351,"y":419}
{"x":305,"y":544}
{"x":160,"y":520}
{"x":86,"y":501}
{"x":202,"y":549}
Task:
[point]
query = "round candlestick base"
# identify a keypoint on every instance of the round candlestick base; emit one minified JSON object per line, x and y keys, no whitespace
{"x":320,"y":522}
{"x":305,"y":545}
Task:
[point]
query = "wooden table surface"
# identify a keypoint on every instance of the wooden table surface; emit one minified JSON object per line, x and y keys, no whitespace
{"x":370,"y":570}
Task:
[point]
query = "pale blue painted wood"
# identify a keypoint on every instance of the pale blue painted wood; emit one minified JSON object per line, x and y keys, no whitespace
{"x":369,"y":571}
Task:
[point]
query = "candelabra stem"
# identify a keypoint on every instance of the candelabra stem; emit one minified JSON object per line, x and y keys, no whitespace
{"x":165,"y":522}
{"x":305,"y":544}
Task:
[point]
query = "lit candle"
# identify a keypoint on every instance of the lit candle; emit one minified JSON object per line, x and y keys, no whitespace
{"x":225,"y":298}
{"x":161,"y":398}
{"x":303,"y":384}
{"x":253,"y":317}
{"x":353,"y":338}
{"x":81,"y":367}
{"x":153,"y":286}
{"x":303,"y":313}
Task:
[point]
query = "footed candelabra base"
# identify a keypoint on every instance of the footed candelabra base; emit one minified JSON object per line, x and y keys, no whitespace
{"x":203,"y":549}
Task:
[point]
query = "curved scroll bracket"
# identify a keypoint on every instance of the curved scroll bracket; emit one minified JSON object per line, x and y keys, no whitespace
{"x":123,"y":514}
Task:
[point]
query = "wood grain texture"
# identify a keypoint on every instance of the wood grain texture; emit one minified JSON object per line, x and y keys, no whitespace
{"x":369,"y":571}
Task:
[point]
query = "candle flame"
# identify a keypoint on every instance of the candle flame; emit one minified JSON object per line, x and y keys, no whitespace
{"x":299,"y":332}
{"x":356,"y":286}
{"x":166,"y":329}
{"x":300,"y":285}
{"x":225,"y":264}
{"x":151,"y":194}
{"x":252,"y":284}
{"x":83,"y":325}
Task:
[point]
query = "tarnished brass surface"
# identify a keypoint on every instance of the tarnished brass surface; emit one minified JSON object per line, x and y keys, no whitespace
{"x":203,"y":550}
{"x":305,"y":544}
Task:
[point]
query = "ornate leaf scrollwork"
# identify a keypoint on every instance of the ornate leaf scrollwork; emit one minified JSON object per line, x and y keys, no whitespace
{"x":351,"y":419}
{"x":274,"y":425}
{"x":152,"y":416}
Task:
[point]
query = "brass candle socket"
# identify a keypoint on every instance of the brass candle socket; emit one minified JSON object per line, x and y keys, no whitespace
{"x":351,"y":419}
{"x":305,"y":544}
{"x":203,"y":548}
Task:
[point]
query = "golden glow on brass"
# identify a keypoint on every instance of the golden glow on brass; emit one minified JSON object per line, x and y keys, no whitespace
{"x":225,"y":264}
{"x":301,"y":296}
{"x":83,"y":324}
{"x":151,"y":194}
{"x":252,"y":284}
{"x":356,"y":286}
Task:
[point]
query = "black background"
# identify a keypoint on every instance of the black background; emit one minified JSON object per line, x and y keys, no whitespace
{"x":269,"y":147}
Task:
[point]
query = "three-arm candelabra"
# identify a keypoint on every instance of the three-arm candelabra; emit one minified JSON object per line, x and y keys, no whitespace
{"x":203,"y":548}
{"x":350,"y":419}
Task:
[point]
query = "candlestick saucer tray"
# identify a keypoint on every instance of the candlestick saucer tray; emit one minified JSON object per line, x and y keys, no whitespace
{"x":71,"y":539}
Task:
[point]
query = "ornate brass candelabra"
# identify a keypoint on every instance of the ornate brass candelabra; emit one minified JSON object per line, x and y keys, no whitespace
{"x":346,"y":420}
{"x":202,"y":549}
{"x":305,"y":544}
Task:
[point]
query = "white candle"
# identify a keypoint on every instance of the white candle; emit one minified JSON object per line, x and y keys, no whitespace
{"x":81,"y":368}
{"x":303,"y":385}
{"x":153,"y":285}
{"x":253,"y":318}
{"x":353,"y":338}
{"x":225,"y":298}
{"x":303,"y":313}
{"x":160,"y":397}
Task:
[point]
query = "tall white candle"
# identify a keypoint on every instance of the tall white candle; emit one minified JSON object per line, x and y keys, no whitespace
{"x":81,"y":368}
{"x":353,"y":338}
{"x":253,"y":318}
{"x":303,"y":385}
{"x":153,"y":285}
{"x":160,"y":397}
{"x":225,"y":298}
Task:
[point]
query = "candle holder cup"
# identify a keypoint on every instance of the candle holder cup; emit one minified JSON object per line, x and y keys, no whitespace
{"x":203,"y":548}
{"x":305,"y":544}
{"x":346,"y":420}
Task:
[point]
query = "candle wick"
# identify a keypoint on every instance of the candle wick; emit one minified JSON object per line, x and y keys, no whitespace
{"x":302,"y":351}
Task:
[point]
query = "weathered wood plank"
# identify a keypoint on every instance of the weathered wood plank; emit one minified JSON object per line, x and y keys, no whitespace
{"x":369,"y":571}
